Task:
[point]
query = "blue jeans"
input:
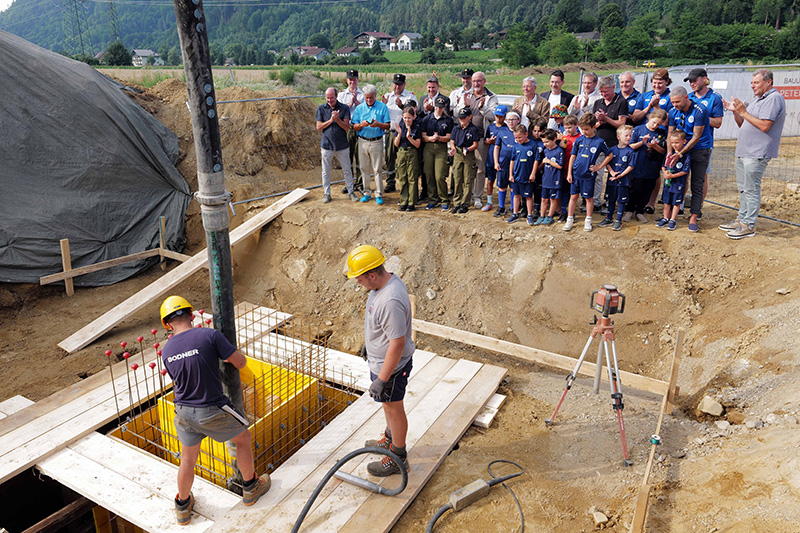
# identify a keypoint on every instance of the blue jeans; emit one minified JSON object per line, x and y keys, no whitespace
{"x":749,"y":172}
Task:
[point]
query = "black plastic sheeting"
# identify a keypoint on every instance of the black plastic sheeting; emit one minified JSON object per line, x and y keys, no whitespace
{"x":79,"y":160}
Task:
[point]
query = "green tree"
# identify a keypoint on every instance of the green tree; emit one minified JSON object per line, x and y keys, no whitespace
{"x":320,"y":40}
{"x":559,"y":47}
{"x":787,"y":42}
{"x":117,"y":55}
{"x":568,"y":13}
{"x":376,"y":49}
{"x":519,"y":49}
{"x":610,"y":16}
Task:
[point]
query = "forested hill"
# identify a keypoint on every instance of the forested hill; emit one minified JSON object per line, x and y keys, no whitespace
{"x":744,"y":27}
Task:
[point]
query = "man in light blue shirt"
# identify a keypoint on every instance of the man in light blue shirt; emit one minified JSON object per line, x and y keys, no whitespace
{"x":371,"y":120}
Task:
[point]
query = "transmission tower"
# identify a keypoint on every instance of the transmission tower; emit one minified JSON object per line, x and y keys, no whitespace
{"x":76,"y":32}
{"x":112,"y":19}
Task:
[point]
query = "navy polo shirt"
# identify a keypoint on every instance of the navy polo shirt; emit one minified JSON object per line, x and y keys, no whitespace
{"x":696,"y":116}
{"x":416,"y":133}
{"x":464,"y":137}
{"x":333,"y":137}
{"x":633,"y":100}
{"x":442,"y":125}
{"x":586,"y":151}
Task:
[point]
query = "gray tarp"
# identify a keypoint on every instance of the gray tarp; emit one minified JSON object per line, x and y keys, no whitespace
{"x":79,"y":160}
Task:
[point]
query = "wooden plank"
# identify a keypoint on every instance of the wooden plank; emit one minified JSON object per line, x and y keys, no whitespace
{"x":640,"y":514}
{"x":123,"y":310}
{"x":68,"y":274}
{"x":324,"y":449}
{"x":489,"y":411}
{"x":169,"y":254}
{"x":14,"y":404}
{"x":534,"y":355}
{"x":380,"y":513}
{"x":63,"y":517}
{"x":162,"y":239}
{"x":339,"y":501}
{"x":672,"y":384}
{"x":66,"y":264}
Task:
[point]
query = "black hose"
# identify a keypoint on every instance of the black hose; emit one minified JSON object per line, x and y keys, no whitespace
{"x":340,"y":463}
{"x":443,"y":509}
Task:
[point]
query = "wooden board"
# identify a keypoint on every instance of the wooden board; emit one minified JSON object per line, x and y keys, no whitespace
{"x":102,"y":265}
{"x":534,"y":355}
{"x":489,"y":411}
{"x":123,"y":310}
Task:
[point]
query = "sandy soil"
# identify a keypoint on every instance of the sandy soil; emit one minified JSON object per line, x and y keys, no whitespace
{"x":738,"y":302}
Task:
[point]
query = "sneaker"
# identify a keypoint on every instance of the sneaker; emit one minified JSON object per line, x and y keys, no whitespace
{"x":671,"y":225}
{"x":386,"y":467}
{"x":260,"y":487}
{"x":605,"y":223}
{"x":353,"y":196}
{"x":661,"y":222}
{"x":411,"y":207}
{"x":548,"y":221}
{"x":617,"y":225}
{"x":587,"y":224}
{"x":531,"y":220}
{"x":539,"y":221}
{"x":344,"y":191}
{"x":326,"y":198}
{"x":455,"y":209}
{"x":741,"y":232}
{"x":641,"y":218}
{"x":183,"y":513}
{"x":379,"y":200}
{"x":478,"y":204}
{"x":402,"y":207}
{"x":569,"y":223}
{"x":730,"y":226}
{"x":384,"y":442}
{"x":627,"y":216}
{"x":463,"y":209}
{"x":365,"y":198}
{"x":500,"y":212}
{"x":431,"y":205}
{"x":445,"y":207}
{"x":649,"y":209}
{"x":487,"y":207}
{"x":513,"y":218}
{"x":563,"y":217}
{"x":694,"y":228}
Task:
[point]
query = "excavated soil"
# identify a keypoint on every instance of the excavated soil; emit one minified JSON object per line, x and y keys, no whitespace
{"x":737,"y":301}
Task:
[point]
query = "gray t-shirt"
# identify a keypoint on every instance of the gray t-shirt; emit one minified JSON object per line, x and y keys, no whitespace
{"x":754,"y":143}
{"x":388,"y":317}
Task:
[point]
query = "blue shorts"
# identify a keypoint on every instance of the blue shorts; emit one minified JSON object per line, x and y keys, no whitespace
{"x":617,"y":193}
{"x":396,"y":386}
{"x":523,"y":189}
{"x":583,"y":187}
{"x":193,"y":424}
{"x":491,"y":173}
{"x":502,"y":178}
{"x":553,"y":194}
{"x":672,"y":198}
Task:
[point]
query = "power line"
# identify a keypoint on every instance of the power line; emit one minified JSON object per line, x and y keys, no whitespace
{"x":31,"y":18}
{"x":233,"y":3}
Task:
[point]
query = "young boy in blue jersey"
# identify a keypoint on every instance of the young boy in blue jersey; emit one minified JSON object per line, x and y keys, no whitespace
{"x":649,"y":143}
{"x":490,"y":139}
{"x":552,"y":163}
{"x":521,"y":172}
{"x":619,"y":170}
{"x":503,"y":148}
{"x":675,"y":171}
{"x":582,"y":169}
{"x":537,"y":127}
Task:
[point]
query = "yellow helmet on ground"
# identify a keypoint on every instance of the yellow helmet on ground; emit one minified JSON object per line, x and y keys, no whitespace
{"x":173,"y":304}
{"x":362,"y":259}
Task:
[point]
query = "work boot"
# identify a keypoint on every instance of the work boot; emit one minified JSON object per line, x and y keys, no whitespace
{"x":183,"y":513}
{"x":386,"y":467}
{"x":384,"y":442}
{"x":251,"y":493}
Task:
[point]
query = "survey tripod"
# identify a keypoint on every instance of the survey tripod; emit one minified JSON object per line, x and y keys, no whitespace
{"x":607,"y":301}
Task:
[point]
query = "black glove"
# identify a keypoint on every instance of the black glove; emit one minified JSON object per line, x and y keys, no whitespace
{"x":376,"y":390}
{"x":363,"y":352}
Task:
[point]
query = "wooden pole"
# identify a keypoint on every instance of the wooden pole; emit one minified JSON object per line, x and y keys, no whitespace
{"x":66,"y":263}
{"x":162,"y":240}
{"x":413,"y":298}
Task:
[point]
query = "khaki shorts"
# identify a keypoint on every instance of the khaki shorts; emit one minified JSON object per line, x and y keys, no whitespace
{"x":193,"y":424}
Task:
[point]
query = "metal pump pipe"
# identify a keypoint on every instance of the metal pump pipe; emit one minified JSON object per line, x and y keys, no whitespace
{"x":212,"y":195}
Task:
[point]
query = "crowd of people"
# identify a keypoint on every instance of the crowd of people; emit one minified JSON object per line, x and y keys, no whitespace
{"x":550,"y":154}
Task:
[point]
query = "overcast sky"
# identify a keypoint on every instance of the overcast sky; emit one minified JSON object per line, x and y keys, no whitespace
{"x":4,"y":4}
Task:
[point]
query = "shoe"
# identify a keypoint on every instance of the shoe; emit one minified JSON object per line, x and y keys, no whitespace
{"x":513,"y":218}
{"x":463,"y":209}
{"x":445,"y":207}
{"x":605,"y":223}
{"x":539,"y":221}
{"x":661,"y":222}
{"x":326,"y":198}
{"x":379,"y":200}
{"x":569,"y":223}
{"x":183,"y":513}
{"x":487,"y":207}
{"x":548,"y":221}
{"x":563,"y":217}
{"x":455,"y":209}
{"x":500,"y":212}
{"x":402,"y":208}
{"x":694,"y":228}
{"x":384,"y":442}
{"x":531,"y":220}
{"x":649,"y":209}
{"x":353,"y":196}
{"x":741,"y":232}
{"x":344,"y":191}
{"x":478,"y":204}
{"x":617,"y":225}
{"x":671,"y":225}
{"x":431,"y":205}
{"x":365,"y":198}
{"x":587,"y":224}
{"x":627,"y":216}
{"x":411,"y":207}
{"x":641,"y":218}
{"x":386,"y":467}
{"x":557,"y":215}
{"x":730,"y":226}
{"x":260,"y":487}
{"x":389,"y":188}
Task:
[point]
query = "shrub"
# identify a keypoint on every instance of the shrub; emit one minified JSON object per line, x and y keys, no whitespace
{"x":287,"y":76}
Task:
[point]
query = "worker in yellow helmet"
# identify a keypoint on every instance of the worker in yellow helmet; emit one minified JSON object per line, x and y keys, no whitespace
{"x":387,"y":337}
{"x":191,"y":357}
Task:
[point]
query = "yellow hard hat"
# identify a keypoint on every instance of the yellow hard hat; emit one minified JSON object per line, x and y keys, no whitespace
{"x":362,"y":259}
{"x":173,"y":304}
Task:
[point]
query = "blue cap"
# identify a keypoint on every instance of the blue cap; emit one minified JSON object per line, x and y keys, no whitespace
{"x":501,"y":110}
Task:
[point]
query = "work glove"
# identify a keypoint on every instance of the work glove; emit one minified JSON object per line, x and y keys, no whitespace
{"x":377,"y":389}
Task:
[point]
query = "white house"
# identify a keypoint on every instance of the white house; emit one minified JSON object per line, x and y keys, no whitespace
{"x":140,"y":58}
{"x":313,"y":51}
{"x":406,"y":41}
{"x":346,"y":51}
{"x":366,"y":38}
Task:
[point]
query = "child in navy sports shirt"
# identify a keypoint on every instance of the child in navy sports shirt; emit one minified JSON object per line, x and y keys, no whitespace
{"x":674,"y":172}
{"x":582,"y":169}
{"x":521,"y":170}
{"x":619,"y":171}
{"x":537,"y":127}
{"x":552,"y":162}
{"x":503,"y":148}
{"x":490,"y":138}
{"x":649,"y":141}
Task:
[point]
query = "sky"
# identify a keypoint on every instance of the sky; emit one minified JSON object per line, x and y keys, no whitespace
{"x":4,"y":4}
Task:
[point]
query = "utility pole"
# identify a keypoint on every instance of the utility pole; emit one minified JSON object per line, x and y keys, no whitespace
{"x":211,"y":193}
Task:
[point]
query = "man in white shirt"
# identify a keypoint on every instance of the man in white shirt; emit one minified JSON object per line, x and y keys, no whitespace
{"x":584,"y":102}
{"x":351,"y":97}
{"x":457,"y":95}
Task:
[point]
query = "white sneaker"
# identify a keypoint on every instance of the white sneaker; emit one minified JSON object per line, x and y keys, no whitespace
{"x":587,"y":224}
{"x":641,"y":218}
{"x":569,"y":223}
{"x":627,"y":216}
{"x":478,"y":204}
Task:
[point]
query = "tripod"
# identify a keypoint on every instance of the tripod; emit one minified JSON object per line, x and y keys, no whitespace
{"x":607,"y":301}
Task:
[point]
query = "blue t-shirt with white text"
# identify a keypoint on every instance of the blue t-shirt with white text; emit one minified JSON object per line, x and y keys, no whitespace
{"x":586,"y":151}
